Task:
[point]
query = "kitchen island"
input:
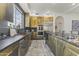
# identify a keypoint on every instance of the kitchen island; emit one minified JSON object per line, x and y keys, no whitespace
{"x":12,"y":46}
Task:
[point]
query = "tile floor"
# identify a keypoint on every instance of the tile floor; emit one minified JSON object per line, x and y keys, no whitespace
{"x":39,"y":48}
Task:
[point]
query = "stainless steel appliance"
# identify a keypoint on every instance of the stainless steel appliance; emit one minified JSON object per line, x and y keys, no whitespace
{"x":40,"y":31}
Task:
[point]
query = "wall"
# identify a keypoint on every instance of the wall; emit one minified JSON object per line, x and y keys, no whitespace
{"x":4,"y":24}
{"x":67,"y":20}
{"x":68,"y":17}
{"x":4,"y":27}
{"x":6,"y":14}
{"x":54,"y":17}
{"x":27,"y":20}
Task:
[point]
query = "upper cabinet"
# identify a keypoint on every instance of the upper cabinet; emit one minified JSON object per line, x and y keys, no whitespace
{"x":48,"y":19}
{"x":41,"y":20}
{"x":33,"y":20}
{"x":36,"y":20}
{"x":9,"y":12}
{"x":2,"y":11}
{"x":6,"y":12}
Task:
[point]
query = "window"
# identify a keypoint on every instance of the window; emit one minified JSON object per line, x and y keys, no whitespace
{"x":19,"y":18}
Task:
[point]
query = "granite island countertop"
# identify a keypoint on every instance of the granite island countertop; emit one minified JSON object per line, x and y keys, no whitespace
{"x":4,"y":43}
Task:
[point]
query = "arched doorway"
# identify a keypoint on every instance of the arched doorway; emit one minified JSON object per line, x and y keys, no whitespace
{"x":59,"y":24}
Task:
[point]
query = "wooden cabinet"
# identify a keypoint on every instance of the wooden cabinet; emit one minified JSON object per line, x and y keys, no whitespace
{"x":36,"y":20}
{"x":16,"y":48}
{"x":62,"y":48}
{"x":2,"y":10}
{"x":10,"y":51}
{"x":71,"y":50}
{"x":6,"y":11}
{"x":33,"y":21}
{"x":40,"y":20}
{"x":57,"y":46}
{"x":24,"y":45}
{"x":34,"y":35}
{"x":54,"y":43}
{"x":48,"y":19}
{"x":51,"y":42}
{"x":10,"y":12}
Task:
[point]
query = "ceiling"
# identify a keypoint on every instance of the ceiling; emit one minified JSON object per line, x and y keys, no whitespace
{"x":48,"y":8}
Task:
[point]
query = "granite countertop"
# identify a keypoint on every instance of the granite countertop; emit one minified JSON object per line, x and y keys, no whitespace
{"x":67,"y":40}
{"x":10,"y":40}
{"x":64,"y":39}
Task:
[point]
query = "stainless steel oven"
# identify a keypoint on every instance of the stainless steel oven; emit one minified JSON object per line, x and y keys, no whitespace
{"x":40,"y":31}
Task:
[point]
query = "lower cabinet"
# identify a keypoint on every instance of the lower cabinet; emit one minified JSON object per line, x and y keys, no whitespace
{"x":62,"y":48}
{"x":51,"y":42}
{"x":71,"y":50}
{"x":57,"y":47}
{"x":10,"y":51}
{"x":24,"y":45}
{"x":54,"y":41}
{"x":18,"y":48}
{"x":48,"y":42}
{"x":14,"y":53}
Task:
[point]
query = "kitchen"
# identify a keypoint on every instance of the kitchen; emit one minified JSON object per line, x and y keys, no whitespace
{"x":26,"y":25}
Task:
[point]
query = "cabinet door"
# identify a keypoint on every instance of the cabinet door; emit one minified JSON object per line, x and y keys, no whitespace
{"x":62,"y":46}
{"x":2,"y":10}
{"x":6,"y":11}
{"x":11,"y":50}
{"x":52,"y":43}
{"x":22,"y":47}
{"x":9,"y":12}
{"x":49,"y":42}
{"x":55,"y":45}
{"x":33,"y":21}
{"x":15,"y":52}
{"x":73,"y":47}
{"x":69,"y":52}
{"x":58,"y":47}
